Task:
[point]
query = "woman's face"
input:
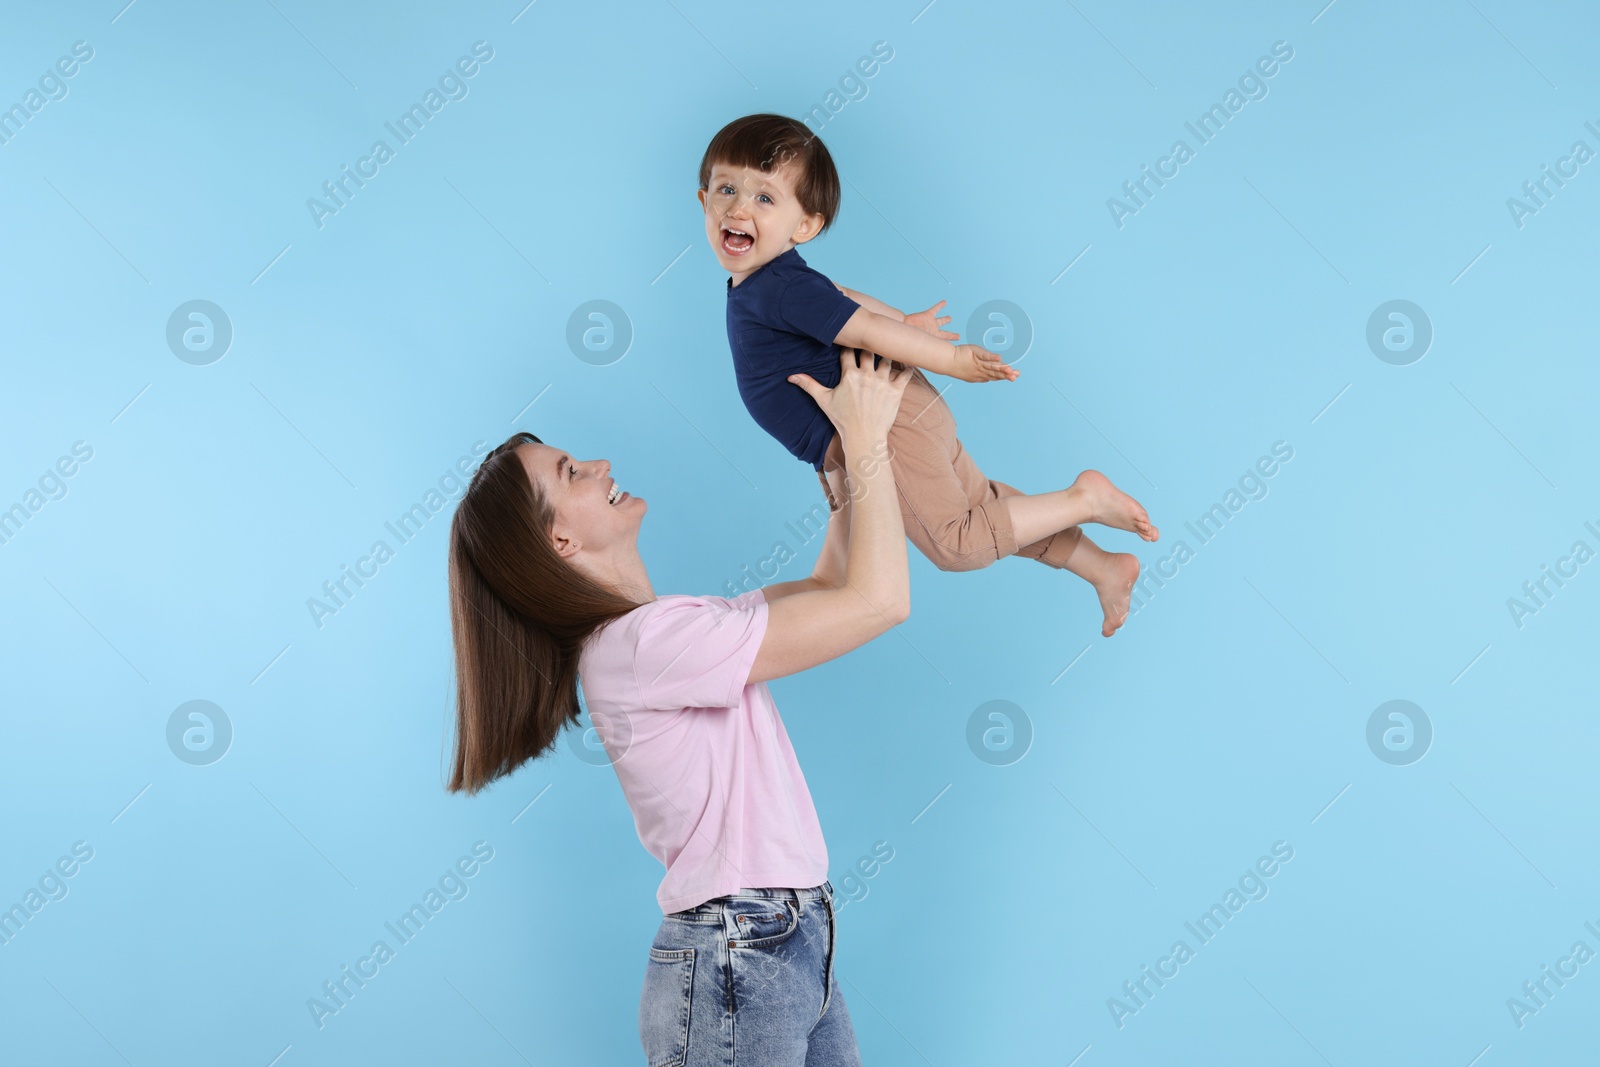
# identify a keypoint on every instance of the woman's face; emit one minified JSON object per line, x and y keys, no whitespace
{"x":587,"y":514}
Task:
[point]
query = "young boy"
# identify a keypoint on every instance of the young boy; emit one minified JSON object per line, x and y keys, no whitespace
{"x":767,"y":184}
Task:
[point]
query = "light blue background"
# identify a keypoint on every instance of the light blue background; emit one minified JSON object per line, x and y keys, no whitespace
{"x":1229,"y":714}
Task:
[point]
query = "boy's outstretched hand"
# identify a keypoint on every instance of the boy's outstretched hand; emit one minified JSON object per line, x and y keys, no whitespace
{"x":974,"y":364}
{"x":930,"y":322}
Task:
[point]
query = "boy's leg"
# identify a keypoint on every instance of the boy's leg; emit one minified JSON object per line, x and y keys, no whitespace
{"x":961,"y":520}
{"x":971,"y":521}
{"x":1054,"y":550}
{"x":949,"y":510}
{"x":1111,"y":573}
{"x":1090,"y":498}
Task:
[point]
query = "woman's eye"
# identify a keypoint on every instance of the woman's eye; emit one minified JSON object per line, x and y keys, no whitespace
{"x":571,"y":470}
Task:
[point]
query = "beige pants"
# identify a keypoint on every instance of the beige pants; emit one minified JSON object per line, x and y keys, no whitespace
{"x":951,"y":511}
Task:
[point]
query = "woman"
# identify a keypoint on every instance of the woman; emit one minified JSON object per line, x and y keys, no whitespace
{"x":547,"y":587}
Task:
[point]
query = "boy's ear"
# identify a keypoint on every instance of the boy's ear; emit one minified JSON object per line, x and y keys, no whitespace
{"x":701,"y":194}
{"x":809,"y":227}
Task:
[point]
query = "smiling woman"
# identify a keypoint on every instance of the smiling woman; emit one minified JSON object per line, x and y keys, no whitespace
{"x":547,"y":589}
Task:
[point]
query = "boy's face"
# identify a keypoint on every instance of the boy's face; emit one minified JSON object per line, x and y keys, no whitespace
{"x":753,"y":217}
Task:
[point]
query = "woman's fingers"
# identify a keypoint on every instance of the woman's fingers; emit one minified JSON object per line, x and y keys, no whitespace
{"x":809,"y":384}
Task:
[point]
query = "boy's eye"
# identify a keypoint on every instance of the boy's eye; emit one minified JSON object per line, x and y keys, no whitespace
{"x":725,"y":190}
{"x":764,"y":196}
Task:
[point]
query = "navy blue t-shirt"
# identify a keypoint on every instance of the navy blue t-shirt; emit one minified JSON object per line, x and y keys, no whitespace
{"x":781,"y":321}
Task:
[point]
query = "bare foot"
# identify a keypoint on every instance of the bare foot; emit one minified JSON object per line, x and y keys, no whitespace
{"x":1110,"y":506}
{"x":1113,"y":582}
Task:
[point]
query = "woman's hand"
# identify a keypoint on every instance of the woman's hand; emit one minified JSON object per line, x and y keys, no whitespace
{"x":863,"y":405}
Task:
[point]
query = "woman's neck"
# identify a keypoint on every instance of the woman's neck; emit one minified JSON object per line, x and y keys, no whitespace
{"x":626,"y":575}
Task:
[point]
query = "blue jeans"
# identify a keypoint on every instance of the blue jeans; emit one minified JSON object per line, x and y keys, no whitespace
{"x":746,"y":980}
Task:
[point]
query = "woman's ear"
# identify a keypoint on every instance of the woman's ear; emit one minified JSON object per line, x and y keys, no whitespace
{"x":564,"y":545}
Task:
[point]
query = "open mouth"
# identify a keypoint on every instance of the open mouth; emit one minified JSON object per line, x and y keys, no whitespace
{"x":736,"y":242}
{"x":616,"y":495}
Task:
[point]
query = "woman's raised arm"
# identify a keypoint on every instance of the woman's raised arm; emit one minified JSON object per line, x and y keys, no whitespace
{"x":812,"y":627}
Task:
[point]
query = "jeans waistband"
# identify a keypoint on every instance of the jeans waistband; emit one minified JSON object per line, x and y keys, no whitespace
{"x":785,"y":893}
{"x":711,"y":910}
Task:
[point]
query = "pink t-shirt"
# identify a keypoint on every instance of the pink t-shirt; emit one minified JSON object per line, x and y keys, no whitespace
{"x":703,"y":758}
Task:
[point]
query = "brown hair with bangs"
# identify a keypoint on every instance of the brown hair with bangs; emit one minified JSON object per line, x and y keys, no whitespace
{"x":767,"y":143}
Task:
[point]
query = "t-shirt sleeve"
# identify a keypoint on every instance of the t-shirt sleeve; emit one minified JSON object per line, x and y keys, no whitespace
{"x":696,"y":652}
{"x":812,"y":305}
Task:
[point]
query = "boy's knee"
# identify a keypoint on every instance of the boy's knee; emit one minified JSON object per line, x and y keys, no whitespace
{"x":951,"y":557}
{"x":968,"y":562}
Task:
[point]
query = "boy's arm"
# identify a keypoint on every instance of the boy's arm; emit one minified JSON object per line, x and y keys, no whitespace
{"x":928,"y":321}
{"x":872,"y":303}
{"x":900,"y":341}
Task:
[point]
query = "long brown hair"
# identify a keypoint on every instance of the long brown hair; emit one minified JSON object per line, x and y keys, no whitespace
{"x":519,"y":615}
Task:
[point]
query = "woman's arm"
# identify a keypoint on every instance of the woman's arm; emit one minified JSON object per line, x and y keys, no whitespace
{"x":814,"y":626}
{"x":829,"y":571}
